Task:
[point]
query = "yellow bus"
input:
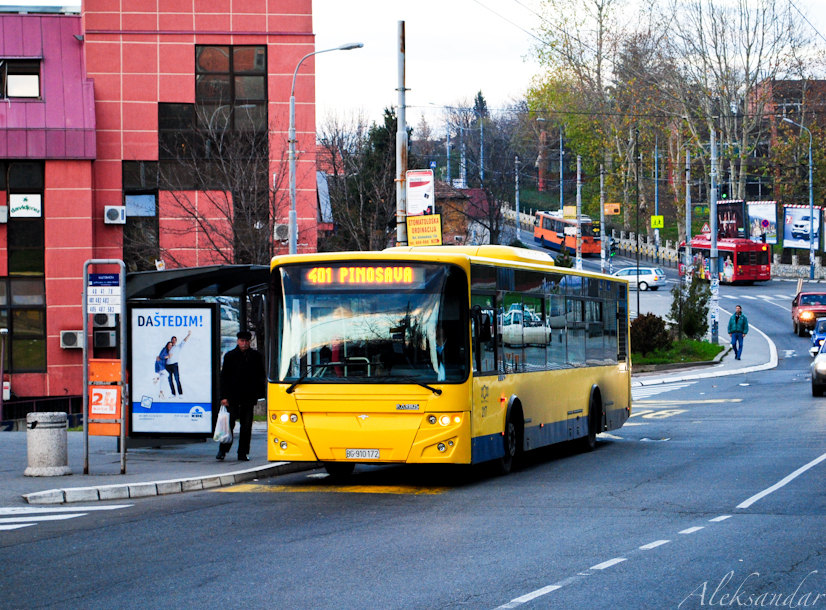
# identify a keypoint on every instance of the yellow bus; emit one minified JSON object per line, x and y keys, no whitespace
{"x":441,"y":355}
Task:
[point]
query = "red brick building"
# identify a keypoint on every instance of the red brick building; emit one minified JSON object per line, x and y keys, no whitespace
{"x":94,"y":108}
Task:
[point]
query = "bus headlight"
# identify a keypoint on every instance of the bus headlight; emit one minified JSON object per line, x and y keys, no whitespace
{"x":444,"y":420}
{"x":441,"y":447}
{"x":284,"y":417}
{"x":283,"y":444}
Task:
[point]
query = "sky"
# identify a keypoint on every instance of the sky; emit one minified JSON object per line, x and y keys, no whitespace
{"x":454,"y":48}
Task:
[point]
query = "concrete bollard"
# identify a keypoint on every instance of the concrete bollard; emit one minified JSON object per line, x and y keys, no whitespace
{"x":47,"y":444}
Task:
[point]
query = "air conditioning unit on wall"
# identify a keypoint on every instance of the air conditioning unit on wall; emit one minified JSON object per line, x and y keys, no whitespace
{"x":282,"y":232}
{"x":71,"y":339}
{"x":105,"y":320}
{"x":106,"y":338}
{"x":114,"y":214}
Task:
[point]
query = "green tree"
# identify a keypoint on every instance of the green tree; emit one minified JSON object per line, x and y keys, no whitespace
{"x":689,"y":309}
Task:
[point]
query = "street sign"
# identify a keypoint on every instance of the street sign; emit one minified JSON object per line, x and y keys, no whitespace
{"x":611,"y":209}
{"x":432,"y":165}
{"x":706,"y":228}
{"x":657,"y":222}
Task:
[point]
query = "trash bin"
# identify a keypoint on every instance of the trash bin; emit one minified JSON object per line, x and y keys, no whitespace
{"x":47,"y":444}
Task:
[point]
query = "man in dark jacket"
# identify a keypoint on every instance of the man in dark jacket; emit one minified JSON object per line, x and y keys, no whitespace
{"x":243,"y":382}
{"x":738,"y":328}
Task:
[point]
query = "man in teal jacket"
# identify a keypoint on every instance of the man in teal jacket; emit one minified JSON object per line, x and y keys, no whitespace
{"x":738,"y":327}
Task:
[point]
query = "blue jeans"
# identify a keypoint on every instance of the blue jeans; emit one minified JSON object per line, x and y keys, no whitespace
{"x":737,"y":344}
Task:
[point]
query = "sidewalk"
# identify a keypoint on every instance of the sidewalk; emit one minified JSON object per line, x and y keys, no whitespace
{"x":150,"y":471}
{"x":169,"y":469}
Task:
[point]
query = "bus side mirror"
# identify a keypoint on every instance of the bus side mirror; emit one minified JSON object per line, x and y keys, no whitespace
{"x":482,"y":322}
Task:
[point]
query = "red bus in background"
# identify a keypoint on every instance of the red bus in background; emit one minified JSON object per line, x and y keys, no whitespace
{"x":739,"y":261}
{"x":554,"y":231}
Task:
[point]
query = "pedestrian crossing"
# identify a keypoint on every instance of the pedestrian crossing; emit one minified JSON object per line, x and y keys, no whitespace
{"x":639,"y":393}
{"x":760,"y":297}
{"x":16,"y":517}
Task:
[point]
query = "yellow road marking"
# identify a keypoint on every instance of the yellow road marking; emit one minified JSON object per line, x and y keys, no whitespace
{"x":353,"y":489}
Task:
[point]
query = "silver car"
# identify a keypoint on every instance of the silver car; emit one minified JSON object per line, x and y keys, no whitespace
{"x":818,"y":369}
{"x":649,"y":277}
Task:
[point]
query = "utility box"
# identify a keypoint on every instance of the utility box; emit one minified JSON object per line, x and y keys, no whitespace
{"x":104,"y":370}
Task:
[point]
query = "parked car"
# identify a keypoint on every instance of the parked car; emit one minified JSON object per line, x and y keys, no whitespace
{"x":818,"y":332}
{"x":806,"y":308}
{"x":818,"y":367}
{"x":649,"y":277}
{"x":800,"y":229}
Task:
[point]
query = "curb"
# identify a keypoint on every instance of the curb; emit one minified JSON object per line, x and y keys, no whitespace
{"x":160,"y":488}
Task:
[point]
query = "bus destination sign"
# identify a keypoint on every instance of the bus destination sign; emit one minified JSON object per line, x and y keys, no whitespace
{"x":385,"y":276}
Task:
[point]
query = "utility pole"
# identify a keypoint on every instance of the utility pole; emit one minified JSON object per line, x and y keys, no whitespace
{"x":715,"y":277}
{"x":448,"y":155}
{"x":637,"y":163}
{"x":516,"y":200}
{"x":657,"y":191}
{"x":687,"y":215}
{"x":561,"y":176}
{"x":601,"y":219}
{"x":401,"y":150}
{"x":579,"y":213}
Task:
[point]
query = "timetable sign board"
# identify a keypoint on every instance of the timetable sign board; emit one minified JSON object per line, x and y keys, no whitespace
{"x":103,"y":294}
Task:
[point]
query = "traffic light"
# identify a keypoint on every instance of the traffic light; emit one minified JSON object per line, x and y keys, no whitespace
{"x":612,"y":246}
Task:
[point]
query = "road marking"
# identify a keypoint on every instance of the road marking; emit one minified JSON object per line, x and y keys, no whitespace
{"x":607,"y":564}
{"x":691,"y":530}
{"x":710,"y":401}
{"x":646,"y":391}
{"x":531,"y":596}
{"x":782,"y":482}
{"x":354,"y":489}
{"x":653,"y":545}
{"x":26,"y":516}
{"x":15,"y":527}
{"x":30,"y":518}
{"x":32,"y":510}
{"x":720,"y":518}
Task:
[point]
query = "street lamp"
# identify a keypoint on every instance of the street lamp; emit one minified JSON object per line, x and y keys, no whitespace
{"x":293,"y":224}
{"x":811,"y":204}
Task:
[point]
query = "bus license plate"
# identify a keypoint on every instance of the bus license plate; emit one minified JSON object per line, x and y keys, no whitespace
{"x":362,"y":454}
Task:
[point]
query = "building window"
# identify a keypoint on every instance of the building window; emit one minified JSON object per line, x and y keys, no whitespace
{"x":231,"y":88}
{"x":23,"y":290}
{"x":20,"y":77}
{"x":141,"y":243}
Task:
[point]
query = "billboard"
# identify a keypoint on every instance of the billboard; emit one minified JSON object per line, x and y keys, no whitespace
{"x":763,"y":221}
{"x":173,"y":365}
{"x":420,"y":192}
{"x":731,"y":219}
{"x":796,"y":224}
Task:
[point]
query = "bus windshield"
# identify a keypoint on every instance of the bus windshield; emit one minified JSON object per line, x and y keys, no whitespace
{"x":385,"y":322}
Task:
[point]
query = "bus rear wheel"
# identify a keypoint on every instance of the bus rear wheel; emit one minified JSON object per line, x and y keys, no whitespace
{"x":589,"y":443}
{"x":339,"y":470}
{"x":512,"y":443}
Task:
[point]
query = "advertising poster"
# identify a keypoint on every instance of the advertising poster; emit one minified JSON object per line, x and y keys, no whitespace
{"x":796,"y":226}
{"x":763,"y":221}
{"x":172,"y":358}
{"x":420,"y":192}
{"x":424,"y":230}
{"x":731,"y":219}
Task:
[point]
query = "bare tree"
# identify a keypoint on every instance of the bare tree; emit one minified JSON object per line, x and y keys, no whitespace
{"x":727,"y":53}
{"x":361,"y":165}
{"x":216,"y":178}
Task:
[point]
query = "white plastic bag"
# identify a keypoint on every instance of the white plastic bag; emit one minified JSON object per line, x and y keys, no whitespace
{"x":222,"y":432}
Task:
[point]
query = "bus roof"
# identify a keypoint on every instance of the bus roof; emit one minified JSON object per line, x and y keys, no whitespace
{"x":560,"y":216}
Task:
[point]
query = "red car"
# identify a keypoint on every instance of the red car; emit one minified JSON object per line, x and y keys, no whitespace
{"x":807,"y":307}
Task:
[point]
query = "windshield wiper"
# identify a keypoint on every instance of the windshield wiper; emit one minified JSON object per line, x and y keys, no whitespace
{"x":304,"y":376}
{"x":436,"y":391}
